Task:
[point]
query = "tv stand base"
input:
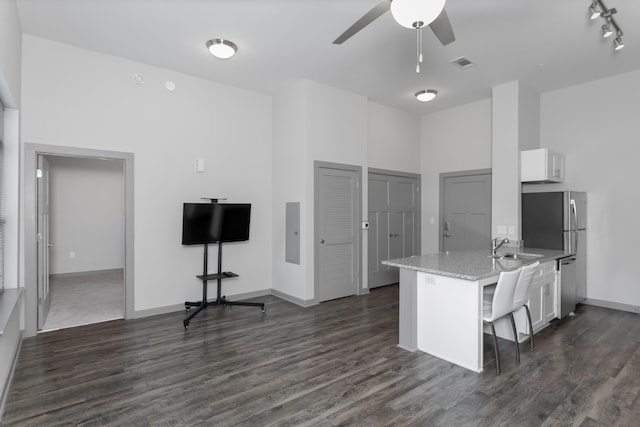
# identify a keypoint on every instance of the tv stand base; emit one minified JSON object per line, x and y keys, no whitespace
{"x":221,"y":301}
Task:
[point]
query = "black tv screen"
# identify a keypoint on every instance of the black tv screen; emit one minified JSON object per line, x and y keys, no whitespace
{"x":215,"y":222}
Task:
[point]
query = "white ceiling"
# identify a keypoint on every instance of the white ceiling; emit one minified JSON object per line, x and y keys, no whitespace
{"x":545,"y":44}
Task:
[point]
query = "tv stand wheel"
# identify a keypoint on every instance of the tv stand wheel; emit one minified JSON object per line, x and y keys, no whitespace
{"x":185,"y":323}
{"x":264,"y":309}
{"x":187,"y":309}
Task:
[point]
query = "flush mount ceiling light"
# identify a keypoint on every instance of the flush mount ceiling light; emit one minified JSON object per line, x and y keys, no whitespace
{"x":221,"y":48}
{"x":599,"y":10}
{"x":416,"y":14}
{"x":426,"y":95}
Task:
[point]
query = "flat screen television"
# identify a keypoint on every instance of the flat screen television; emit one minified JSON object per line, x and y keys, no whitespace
{"x":215,"y":222}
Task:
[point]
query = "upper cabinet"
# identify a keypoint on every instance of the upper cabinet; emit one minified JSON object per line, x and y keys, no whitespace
{"x":541,"y":165}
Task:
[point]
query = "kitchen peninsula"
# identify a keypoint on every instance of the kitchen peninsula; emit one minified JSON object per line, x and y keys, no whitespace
{"x":441,"y":299}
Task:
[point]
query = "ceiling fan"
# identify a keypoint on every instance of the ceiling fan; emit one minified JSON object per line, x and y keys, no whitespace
{"x":410,"y":14}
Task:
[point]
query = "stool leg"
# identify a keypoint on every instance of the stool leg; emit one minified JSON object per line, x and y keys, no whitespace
{"x":495,"y":348}
{"x":530,"y":326}
{"x":515,"y":336}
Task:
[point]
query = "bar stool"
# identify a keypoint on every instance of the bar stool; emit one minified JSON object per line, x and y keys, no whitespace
{"x":498,"y":304}
{"x":521,"y":295}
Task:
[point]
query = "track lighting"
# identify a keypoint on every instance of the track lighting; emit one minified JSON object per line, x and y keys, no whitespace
{"x":599,"y":10}
{"x":593,"y":10}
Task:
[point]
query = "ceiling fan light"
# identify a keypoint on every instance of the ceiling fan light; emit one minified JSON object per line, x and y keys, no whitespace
{"x":221,"y":48}
{"x":408,"y":12}
{"x":426,"y":95}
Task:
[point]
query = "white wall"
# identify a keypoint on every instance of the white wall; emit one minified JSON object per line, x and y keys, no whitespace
{"x":289,"y":185}
{"x":86,"y":214}
{"x":515,"y":127}
{"x":394,"y":139}
{"x":596,"y":126}
{"x":79,"y":98}
{"x":457,"y":139}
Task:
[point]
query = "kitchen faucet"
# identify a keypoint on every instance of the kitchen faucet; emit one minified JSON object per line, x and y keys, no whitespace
{"x":497,"y":245}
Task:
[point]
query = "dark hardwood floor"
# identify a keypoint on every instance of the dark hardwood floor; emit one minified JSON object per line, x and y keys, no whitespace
{"x":332,"y":364}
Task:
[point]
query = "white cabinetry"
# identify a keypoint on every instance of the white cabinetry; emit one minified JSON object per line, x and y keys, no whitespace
{"x":543,"y":296}
{"x":541,"y":165}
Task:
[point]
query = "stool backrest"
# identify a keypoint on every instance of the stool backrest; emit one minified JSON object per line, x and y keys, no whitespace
{"x":521,"y":295}
{"x":502,"y":303}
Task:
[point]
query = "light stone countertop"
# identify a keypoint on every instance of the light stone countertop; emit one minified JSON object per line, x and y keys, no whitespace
{"x":473,"y":265}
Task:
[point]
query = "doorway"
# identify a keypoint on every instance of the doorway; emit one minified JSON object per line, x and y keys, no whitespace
{"x":85,"y":240}
{"x":394,"y":222}
{"x":33,"y":271}
{"x":337,"y":232}
{"x":465,"y":210}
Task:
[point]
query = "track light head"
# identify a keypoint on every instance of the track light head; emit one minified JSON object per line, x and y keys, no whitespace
{"x":593,"y":11}
{"x":607,"y":31}
{"x":617,"y":43}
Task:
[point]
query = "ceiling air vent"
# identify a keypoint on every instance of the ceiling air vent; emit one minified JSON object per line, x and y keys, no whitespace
{"x":462,"y":62}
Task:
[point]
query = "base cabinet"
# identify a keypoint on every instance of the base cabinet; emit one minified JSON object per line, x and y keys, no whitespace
{"x":543,"y":296}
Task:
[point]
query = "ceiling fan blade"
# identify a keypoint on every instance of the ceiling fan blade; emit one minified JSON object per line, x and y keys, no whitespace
{"x":367,"y":19}
{"x":441,"y":27}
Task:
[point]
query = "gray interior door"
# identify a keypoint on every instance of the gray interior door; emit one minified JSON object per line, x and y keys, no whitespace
{"x":338,"y":233}
{"x":466,"y":212}
{"x":43,"y":244}
{"x":394,"y":212}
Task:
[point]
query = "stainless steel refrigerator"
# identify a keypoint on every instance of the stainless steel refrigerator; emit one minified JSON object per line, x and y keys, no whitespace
{"x":558,"y":220}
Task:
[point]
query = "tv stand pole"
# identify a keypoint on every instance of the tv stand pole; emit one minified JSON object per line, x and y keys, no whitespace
{"x":220,"y":300}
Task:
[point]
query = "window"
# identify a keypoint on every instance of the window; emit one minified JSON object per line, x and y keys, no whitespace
{"x":2,"y":210}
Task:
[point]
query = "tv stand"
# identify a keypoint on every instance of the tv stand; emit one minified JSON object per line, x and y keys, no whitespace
{"x":220,"y":300}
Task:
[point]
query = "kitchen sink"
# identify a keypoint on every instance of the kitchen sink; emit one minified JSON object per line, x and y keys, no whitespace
{"x":519,"y":256}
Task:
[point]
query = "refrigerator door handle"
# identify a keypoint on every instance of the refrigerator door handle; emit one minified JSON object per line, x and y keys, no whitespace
{"x":574,"y":226}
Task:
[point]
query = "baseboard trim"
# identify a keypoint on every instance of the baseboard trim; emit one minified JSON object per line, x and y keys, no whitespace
{"x":7,"y":385}
{"x":614,"y":305}
{"x":81,"y":273}
{"x":292,"y":299}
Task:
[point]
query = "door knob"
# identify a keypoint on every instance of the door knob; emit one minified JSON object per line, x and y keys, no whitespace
{"x":322,"y":241}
